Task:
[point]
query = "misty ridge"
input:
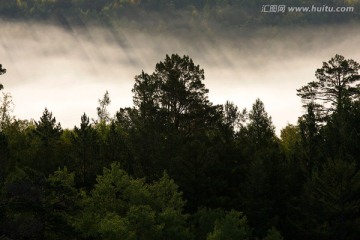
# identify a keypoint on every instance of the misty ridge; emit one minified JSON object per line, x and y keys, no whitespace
{"x":174,"y":15}
{"x":59,"y":63}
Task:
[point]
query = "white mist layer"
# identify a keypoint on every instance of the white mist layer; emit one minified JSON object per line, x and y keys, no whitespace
{"x":67,"y":71}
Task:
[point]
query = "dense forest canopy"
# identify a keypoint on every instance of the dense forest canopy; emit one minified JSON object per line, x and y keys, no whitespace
{"x":177,"y":166}
{"x":174,"y":165}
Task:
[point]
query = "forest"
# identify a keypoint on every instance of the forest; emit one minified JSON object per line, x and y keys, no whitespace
{"x":173,"y":15}
{"x":176,"y":166}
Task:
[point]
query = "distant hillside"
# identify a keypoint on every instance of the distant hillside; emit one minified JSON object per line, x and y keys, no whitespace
{"x":174,"y":15}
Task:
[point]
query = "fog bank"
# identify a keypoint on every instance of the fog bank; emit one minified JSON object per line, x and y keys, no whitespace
{"x":68,"y":70}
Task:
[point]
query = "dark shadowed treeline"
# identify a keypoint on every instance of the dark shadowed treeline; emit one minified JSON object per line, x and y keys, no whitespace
{"x":176,"y":166}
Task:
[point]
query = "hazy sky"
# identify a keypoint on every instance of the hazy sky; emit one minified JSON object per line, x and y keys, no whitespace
{"x":67,"y":71}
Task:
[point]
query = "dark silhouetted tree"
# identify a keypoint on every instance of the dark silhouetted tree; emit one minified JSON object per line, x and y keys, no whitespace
{"x":6,"y":109}
{"x":337,"y":81}
{"x":2,"y":71}
{"x":330,"y":99}
{"x":263,"y":188}
{"x":310,"y":139}
{"x":102,"y":111}
{"x":48,"y":132}
{"x":85,"y":141}
{"x":171,"y":105}
{"x":175,"y":89}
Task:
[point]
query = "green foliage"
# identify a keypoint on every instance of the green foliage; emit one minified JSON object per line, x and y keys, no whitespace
{"x":273,"y":234}
{"x":136,"y":209}
{"x":63,"y":188}
{"x":167,"y":200}
{"x":61,"y":203}
{"x":46,"y":143}
{"x":231,"y":227}
{"x":47,"y":128}
{"x":19,"y":137}
{"x":85,"y":143}
{"x":113,"y":226}
{"x":290,"y":140}
{"x":143,"y":222}
{"x":203,"y":221}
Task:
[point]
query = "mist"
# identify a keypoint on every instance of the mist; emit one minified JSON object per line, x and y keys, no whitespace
{"x":68,"y":69}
